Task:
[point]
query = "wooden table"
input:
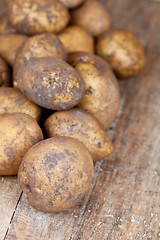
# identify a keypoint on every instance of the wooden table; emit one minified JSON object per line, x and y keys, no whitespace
{"x":125,"y":200}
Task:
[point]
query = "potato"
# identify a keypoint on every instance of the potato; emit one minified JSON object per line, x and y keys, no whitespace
{"x":9,"y":45}
{"x":19,"y":132}
{"x":92,"y":16}
{"x":33,"y":16}
{"x":71,"y":3}
{"x":4,"y":73}
{"x":75,"y":38}
{"x":13,"y":101}
{"x":56,"y":174}
{"x":123,"y":51}
{"x":83,"y":126}
{"x":41,"y":45}
{"x":102,"y":97}
{"x":5,"y":26}
{"x":50,"y":83}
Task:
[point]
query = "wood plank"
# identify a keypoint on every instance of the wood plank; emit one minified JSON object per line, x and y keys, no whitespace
{"x":124,"y":202}
{"x":9,"y":195}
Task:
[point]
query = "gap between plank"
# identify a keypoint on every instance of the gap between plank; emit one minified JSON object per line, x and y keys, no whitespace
{"x":13,"y":215}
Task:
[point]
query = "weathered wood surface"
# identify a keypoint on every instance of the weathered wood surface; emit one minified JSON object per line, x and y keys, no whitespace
{"x":124,"y":203}
{"x":9,"y":195}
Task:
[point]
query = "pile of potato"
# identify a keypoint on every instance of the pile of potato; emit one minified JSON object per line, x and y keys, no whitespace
{"x":49,"y":73}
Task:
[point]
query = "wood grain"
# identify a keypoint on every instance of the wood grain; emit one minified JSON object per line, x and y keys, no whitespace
{"x":124,"y":203}
{"x":9,"y":195}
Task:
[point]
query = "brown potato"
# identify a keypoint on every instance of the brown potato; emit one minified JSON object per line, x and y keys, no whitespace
{"x":51,"y":83}
{"x":71,"y":3}
{"x":5,"y":26}
{"x":13,"y":101}
{"x":92,"y":16}
{"x":9,"y":45}
{"x":123,"y":51}
{"x":33,"y":16}
{"x":56,"y":174}
{"x":102,"y":97}
{"x":83,"y":126}
{"x":41,"y":45}
{"x":18,"y":133}
{"x":4,"y":73}
{"x":75,"y":38}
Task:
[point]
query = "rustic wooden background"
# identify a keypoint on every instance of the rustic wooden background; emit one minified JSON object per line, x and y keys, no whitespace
{"x":125,"y":200}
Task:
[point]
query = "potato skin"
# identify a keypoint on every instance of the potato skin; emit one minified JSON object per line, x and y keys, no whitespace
{"x":18,"y":133}
{"x":123,"y":51}
{"x":102,"y":97}
{"x":75,"y":38}
{"x":41,"y":45}
{"x":9,"y":45}
{"x":13,"y":101}
{"x":4,"y":73}
{"x":51,"y":83}
{"x":80,"y":125}
{"x":5,"y":27}
{"x":71,"y":3}
{"x":92,"y":16}
{"x":56,"y":174}
{"x":31,"y":17}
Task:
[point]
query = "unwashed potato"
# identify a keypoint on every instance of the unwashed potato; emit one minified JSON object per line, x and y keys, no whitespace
{"x":18,"y":133}
{"x":41,"y":45}
{"x":92,"y":16}
{"x":83,"y":126}
{"x":33,"y":16}
{"x":5,"y":27}
{"x":13,"y":101}
{"x":9,"y":45}
{"x":123,"y":51}
{"x":71,"y":3}
{"x":75,"y":38}
{"x":4,"y":73}
{"x":102,"y":97}
{"x":50,"y":83}
{"x":56,"y":174}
